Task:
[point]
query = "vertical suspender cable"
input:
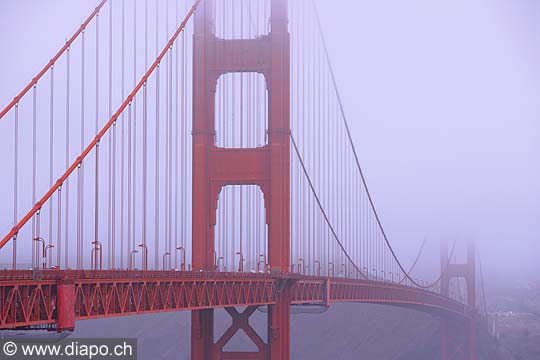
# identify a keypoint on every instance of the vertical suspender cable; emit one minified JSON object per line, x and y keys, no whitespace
{"x":309,"y":153}
{"x":123,"y":148}
{"x":66,"y":247}
{"x":233,"y":144}
{"x":110,"y":259}
{"x":145,"y":141}
{"x":145,"y":35}
{"x":167,"y":131}
{"x":51,"y":163}
{"x":319,"y":155}
{"x":15,"y":180}
{"x":156,"y":215}
{"x":35,"y":248}
{"x":259,"y":118}
{"x":96,"y":185}
{"x":176,"y":149}
{"x":130,"y":235}
{"x":169,"y":142}
{"x":241,"y":266}
{"x":224,"y":133}
{"x":156,"y":206}
{"x":80,"y":204}
{"x":303,"y":235}
{"x":297,"y":87}
{"x":134,"y":140}
{"x":184,"y":145}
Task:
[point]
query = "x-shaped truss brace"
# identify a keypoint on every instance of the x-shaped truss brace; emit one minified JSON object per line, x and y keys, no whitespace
{"x":240,"y":321}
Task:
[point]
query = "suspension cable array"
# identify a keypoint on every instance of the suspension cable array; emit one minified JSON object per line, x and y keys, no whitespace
{"x":99,"y":238}
{"x":123,"y":189}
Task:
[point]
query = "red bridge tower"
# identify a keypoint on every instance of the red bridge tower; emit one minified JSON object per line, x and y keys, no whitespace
{"x":459,"y":336}
{"x":267,"y":167}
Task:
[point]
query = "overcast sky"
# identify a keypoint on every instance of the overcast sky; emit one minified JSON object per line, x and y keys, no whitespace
{"x":442,"y":97}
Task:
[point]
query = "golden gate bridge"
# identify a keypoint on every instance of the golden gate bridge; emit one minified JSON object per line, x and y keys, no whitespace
{"x":180,"y":155}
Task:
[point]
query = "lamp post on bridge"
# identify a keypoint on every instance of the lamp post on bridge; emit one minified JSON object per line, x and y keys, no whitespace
{"x":183,"y":250}
{"x":167,"y":253}
{"x":301,"y":266}
{"x":48,"y":247}
{"x":332,"y":267}
{"x":263,"y":261}
{"x":145,"y":256}
{"x":43,"y":253}
{"x":240,"y":262}
{"x":222,"y":261}
{"x":318,"y":267}
{"x":95,"y":250}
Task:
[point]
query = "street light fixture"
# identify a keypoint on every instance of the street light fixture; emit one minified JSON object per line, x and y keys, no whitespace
{"x":222,"y":260}
{"x":44,"y":254}
{"x":263,"y":261}
{"x":183,"y":250}
{"x":318,"y":267}
{"x":95,"y":250}
{"x":132,"y":258}
{"x":241,"y":262}
{"x":48,"y":247}
{"x":331,"y":267}
{"x":300,"y":266}
{"x":167,"y":253}
{"x":145,"y":256}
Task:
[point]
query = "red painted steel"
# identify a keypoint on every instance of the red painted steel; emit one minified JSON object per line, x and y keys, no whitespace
{"x":451,"y":349}
{"x":37,"y":206}
{"x":48,"y":296}
{"x":267,"y":167}
{"x":57,"y":298}
{"x":66,"y":305}
{"x":240,"y":321}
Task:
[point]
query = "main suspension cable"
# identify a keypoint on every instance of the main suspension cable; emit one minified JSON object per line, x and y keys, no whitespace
{"x":323,"y":212}
{"x":356,"y":159}
{"x":53,"y":60}
{"x":79,"y":160}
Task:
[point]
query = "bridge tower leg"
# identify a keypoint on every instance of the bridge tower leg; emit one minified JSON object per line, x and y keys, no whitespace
{"x":458,"y":338}
{"x":267,"y":167}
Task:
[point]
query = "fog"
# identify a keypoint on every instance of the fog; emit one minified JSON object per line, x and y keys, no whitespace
{"x":442,"y":96}
{"x":442,"y":100}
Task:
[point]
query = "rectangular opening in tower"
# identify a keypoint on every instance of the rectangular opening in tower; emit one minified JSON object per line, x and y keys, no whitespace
{"x":241,"y":232}
{"x":241,"y":118}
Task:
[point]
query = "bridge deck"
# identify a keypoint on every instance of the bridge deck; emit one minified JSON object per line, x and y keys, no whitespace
{"x":29,"y":298}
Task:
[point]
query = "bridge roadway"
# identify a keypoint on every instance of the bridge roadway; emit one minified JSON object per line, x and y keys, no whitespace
{"x":56,"y":298}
